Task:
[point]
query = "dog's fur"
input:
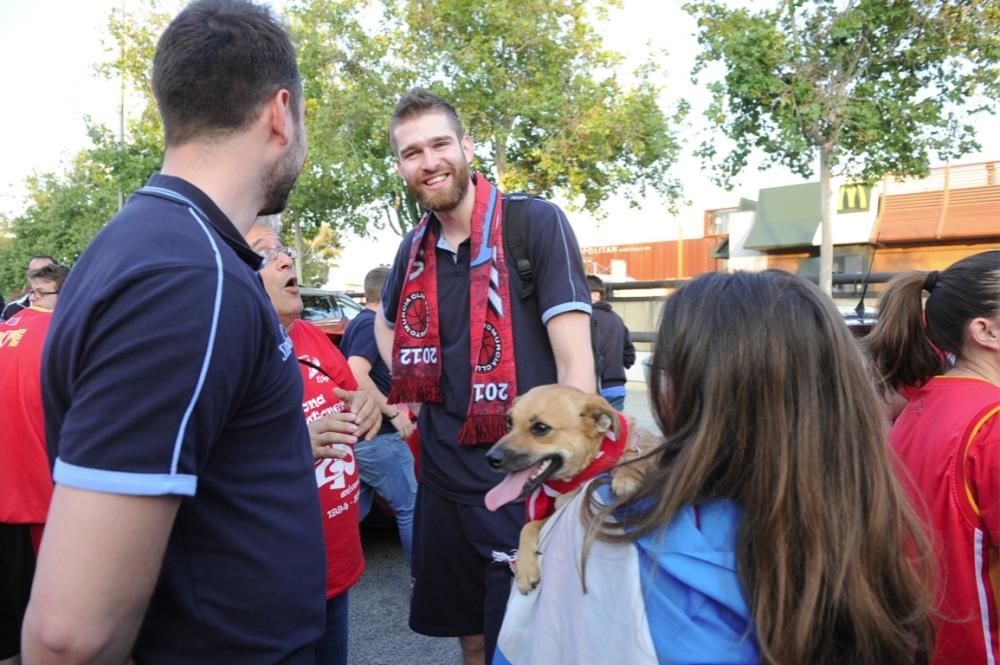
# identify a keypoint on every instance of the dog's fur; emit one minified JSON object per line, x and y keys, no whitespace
{"x":564,"y":427}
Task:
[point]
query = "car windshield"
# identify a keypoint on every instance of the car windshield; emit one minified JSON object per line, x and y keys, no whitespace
{"x":320,"y":306}
{"x":350,"y":307}
{"x":315,"y":308}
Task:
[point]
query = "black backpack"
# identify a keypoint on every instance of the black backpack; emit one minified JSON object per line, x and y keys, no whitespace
{"x":515,"y":245}
{"x":515,"y":239}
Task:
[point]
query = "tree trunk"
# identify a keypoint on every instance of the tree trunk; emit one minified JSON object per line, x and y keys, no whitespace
{"x":298,"y":249}
{"x":826,"y":232}
{"x":394,"y":219}
{"x":500,"y":152}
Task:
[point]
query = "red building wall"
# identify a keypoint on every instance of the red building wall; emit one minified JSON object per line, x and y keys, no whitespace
{"x":656,"y":260}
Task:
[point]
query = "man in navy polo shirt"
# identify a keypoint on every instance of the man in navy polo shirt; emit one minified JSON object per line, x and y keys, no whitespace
{"x":448,"y":293}
{"x":386,"y":461}
{"x":185,"y":526}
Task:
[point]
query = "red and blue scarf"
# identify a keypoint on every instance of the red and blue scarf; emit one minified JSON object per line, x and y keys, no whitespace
{"x":416,"y":348}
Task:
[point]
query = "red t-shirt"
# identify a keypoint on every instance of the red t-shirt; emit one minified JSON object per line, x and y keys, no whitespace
{"x":948,"y":438}
{"x":336,"y":479}
{"x":25,"y":476}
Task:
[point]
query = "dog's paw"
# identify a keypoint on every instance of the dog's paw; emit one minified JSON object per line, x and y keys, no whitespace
{"x":528,"y":574}
{"x":625,"y":480}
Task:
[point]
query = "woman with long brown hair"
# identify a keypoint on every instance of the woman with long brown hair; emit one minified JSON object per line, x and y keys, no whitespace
{"x":769,"y":527}
{"x":948,"y":436}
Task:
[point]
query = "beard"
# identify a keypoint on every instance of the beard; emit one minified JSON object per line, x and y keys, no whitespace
{"x":279,"y":182}
{"x":448,"y":198}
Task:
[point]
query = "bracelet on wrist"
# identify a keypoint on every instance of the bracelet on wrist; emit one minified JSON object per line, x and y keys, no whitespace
{"x":393,"y":416}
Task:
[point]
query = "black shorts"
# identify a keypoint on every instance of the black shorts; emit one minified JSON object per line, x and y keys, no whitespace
{"x":458,"y":587}
{"x":17,"y":567}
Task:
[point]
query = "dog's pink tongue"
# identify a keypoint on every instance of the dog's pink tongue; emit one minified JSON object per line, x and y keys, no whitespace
{"x":509,"y":488}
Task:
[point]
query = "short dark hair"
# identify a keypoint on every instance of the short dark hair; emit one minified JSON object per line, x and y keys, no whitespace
{"x":216,"y":63}
{"x":50,"y":273}
{"x":417,"y":102}
{"x":595,"y":283}
{"x":373,"y":284}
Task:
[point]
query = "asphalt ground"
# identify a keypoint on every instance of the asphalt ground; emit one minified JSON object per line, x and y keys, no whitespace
{"x":380,"y":607}
{"x":379,"y":603}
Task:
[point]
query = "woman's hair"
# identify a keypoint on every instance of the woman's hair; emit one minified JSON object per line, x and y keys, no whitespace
{"x":902,"y":345}
{"x":763,"y":398}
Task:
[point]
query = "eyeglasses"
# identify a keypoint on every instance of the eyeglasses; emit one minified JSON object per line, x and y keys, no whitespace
{"x":272,"y":253}
{"x":38,"y":293}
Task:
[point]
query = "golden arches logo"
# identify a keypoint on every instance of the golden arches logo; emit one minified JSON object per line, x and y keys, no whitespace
{"x":853,"y":198}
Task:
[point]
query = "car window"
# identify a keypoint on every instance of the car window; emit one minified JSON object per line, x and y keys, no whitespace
{"x":318,"y":307}
{"x":348,"y":305}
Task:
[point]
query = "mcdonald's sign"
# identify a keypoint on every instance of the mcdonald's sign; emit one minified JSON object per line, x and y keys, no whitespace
{"x":853,"y":198}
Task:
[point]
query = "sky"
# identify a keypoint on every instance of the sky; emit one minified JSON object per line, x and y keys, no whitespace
{"x":48,"y":50}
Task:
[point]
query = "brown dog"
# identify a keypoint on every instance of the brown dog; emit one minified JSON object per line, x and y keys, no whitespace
{"x":559,"y":438}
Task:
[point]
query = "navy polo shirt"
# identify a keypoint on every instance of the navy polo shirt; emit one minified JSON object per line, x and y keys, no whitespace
{"x":359,"y":340}
{"x":166,"y":372}
{"x":460,"y":472}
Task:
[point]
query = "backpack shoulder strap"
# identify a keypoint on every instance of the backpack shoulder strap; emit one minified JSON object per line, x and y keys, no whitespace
{"x":515,"y":239}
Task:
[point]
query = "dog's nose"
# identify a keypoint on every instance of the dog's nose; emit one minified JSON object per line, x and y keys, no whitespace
{"x":495,"y":458}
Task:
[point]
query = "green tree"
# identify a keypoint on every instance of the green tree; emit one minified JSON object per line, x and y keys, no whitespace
{"x":542,"y":95}
{"x":319,"y":254}
{"x":66,"y":210}
{"x":539,"y":94}
{"x":352,"y":79}
{"x":869,"y":87}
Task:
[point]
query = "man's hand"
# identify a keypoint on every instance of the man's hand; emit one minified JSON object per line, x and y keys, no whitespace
{"x":332,"y":429}
{"x":367,"y":415}
{"x":402,"y":424}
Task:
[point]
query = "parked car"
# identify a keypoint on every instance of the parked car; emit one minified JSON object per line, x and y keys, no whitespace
{"x":330,"y":311}
{"x":859,"y":323}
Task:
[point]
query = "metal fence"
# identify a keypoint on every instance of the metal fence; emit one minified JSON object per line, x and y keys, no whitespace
{"x":639,"y":302}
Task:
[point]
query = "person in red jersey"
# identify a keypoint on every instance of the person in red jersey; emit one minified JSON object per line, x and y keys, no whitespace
{"x":948,"y":437}
{"x":338,"y":415}
{"x":25,"y":479}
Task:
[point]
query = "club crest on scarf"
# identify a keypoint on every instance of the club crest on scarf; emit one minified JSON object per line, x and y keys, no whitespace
{"x":414,"y":315}
{"x":491,"y":351}
{"x":417,"y":343}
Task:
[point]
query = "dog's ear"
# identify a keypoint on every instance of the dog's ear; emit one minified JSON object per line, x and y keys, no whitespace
{"x":601,"y":414}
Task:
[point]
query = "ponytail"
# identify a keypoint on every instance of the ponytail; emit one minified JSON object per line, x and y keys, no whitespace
{"x":909,"y":341}
{"x":898,"y":345}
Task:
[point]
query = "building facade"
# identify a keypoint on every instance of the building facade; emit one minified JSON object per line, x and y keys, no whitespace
{"x":894,"y":225}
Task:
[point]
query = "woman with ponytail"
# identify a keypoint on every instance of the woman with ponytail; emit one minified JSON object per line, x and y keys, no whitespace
{"x":948,"y":436}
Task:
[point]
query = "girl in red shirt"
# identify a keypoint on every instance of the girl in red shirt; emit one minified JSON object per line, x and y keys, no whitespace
{"x":948,"y":437}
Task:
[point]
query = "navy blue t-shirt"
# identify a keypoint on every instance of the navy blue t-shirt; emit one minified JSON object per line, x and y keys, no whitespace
{"x":359,"y":340}
{"x":460,"y":472}
{"x":166,"y":372}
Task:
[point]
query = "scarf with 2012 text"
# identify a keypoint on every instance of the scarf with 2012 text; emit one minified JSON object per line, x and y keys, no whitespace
{"x":416,"y":348}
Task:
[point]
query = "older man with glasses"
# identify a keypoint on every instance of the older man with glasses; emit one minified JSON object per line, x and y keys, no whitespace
{"x":339,"y":416}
